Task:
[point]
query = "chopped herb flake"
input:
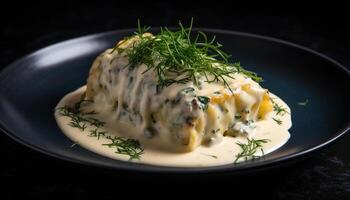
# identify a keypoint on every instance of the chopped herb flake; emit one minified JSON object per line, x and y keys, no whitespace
{"x":249,"y":149}
{"x":278,"y":121}
{"x":304,"y":103}
{"x":278,"y":108}
{"x":126,"y":146}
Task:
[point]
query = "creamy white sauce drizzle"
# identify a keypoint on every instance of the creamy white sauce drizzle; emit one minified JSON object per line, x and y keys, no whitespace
{"x":221,"y":153}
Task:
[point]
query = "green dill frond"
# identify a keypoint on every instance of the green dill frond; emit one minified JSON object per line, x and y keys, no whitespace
{"x":126,"y":146}
{"x":178,"y":58}
{"x":80,"y":119}
{"x":249,"y":149}
{"x":304,"y":103}
{"x":280,"y":110}
{"x":141,"y":30}
{"x":96,"y":133}
{"x":278,"y":121}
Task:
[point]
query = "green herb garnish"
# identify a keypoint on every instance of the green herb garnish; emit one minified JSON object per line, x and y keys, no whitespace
{"x":177,"y":57}
{"x":280,"y":110}
{"x":126,"y":146}
{"x":97,"y":133}
{"x":249,"y":149}
{"x":278,"y":121}
{"x":80,"y":120}
{"x":304,"y":103}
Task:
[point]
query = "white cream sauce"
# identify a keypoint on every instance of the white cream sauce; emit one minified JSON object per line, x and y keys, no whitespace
{"x":221,"y":153}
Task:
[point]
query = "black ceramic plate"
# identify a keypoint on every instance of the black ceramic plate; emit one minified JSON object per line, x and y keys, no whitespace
{"x":31,"y":87}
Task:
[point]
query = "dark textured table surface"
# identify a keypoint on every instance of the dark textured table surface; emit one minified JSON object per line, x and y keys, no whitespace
{"x":25,"y":28}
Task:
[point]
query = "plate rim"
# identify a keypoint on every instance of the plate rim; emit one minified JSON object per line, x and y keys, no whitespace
{"x":140,"y":167}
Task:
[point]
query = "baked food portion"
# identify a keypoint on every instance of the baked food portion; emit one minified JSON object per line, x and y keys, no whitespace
{"x":183,"y":113}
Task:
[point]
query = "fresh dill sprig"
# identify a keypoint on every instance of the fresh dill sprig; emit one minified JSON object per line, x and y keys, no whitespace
{"x":177,"y":57}
{"x":75,"y":118}
{"x":249,"y":149}
{"x":280,"y":110}
{"x":76,"y":123}
{"x":96,"y":133}
{"x":278,"y":121}
{"x":80,"y":119}
{"x":141,"y":29}
{"x":126,"y":146}
{"x":92,"y":121}
{"x":304,"y":103}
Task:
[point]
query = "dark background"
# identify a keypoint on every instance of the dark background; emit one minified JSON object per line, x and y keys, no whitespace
{"x":26,"y":27}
